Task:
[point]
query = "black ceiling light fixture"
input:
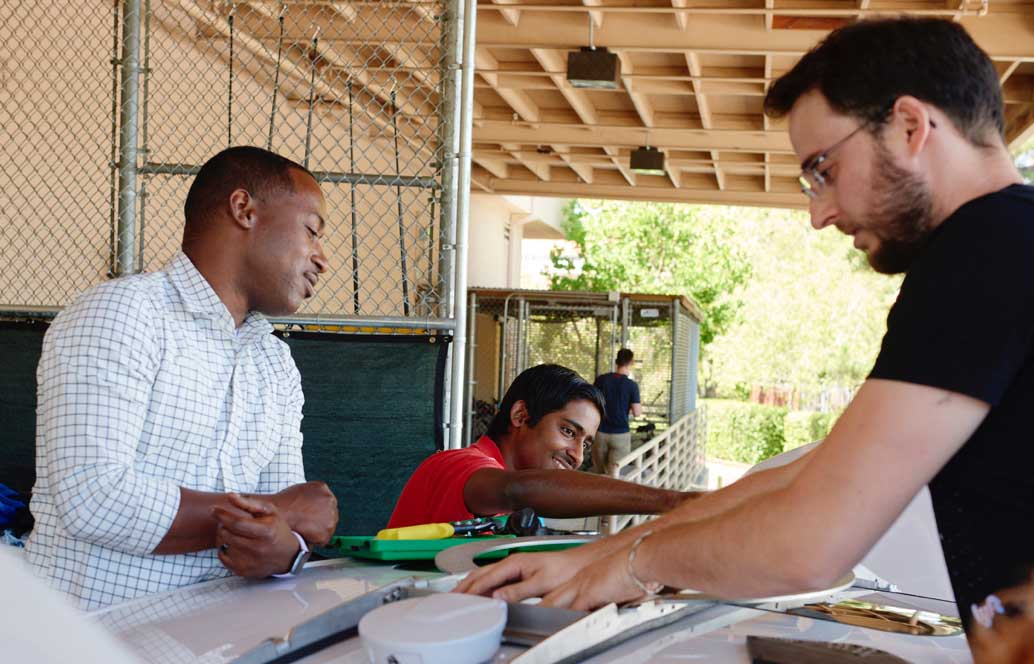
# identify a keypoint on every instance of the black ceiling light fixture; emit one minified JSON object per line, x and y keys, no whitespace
{"x":646,"y":160}
{"x":593,"y":68}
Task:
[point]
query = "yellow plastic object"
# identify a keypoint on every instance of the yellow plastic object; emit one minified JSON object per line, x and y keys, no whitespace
{"x":422,"y":532}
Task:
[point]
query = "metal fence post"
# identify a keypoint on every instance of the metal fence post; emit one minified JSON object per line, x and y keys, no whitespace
{"x":128,"y":153}
{"x":469,"y":23}
{"x":626,"y":321}
{"x":468,"y":403}
{"x":672,"y":415}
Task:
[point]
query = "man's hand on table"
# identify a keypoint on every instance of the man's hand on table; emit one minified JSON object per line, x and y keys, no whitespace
{"x":603,"y":581}
{"x":309,"y":508}
{"x":524,"y":575}
{"x":581,"y":578}
{"x":253,"y":538}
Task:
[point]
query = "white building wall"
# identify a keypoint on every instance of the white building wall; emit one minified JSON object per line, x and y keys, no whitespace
{"x":498,"y":225}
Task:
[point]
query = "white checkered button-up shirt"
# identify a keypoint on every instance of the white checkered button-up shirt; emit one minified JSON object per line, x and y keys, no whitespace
{"x":145,"y":386}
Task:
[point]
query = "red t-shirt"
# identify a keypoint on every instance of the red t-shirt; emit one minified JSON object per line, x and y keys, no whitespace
{"x":435,"y":491}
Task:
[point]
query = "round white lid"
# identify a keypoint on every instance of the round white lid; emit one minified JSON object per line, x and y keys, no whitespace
{"x":446,"y":627}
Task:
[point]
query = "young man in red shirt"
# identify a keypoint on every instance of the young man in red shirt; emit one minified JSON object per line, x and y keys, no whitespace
{"x":544,"y":426}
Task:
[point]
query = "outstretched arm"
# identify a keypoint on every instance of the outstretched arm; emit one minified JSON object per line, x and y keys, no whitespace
{"x":563,"y":493}
{"x":533,"y":574}
{"x":891,"y":441}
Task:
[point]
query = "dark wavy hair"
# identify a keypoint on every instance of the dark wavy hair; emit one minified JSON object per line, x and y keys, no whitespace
{"x":862,"y":68}
{"x":544,"y":389}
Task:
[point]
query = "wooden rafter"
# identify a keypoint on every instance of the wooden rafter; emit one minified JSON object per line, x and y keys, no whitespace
{"x":535,"y":164}
{"x":595,"y":15}
{"x":725,"y":150}
{"x":704,"y":109}
{"x":521,"y":103}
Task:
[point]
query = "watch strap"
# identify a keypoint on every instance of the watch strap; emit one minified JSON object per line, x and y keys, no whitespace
{"x":299,"y":560}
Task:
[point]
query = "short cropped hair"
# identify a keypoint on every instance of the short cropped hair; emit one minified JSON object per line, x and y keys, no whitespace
{"x":261,"y":172}
{"x":624,"y":357}
{"x":862,"y":68}
{"x":544,"y":389}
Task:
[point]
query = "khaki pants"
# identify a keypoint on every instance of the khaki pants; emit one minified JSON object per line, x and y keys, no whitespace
{"x":607,"y":448}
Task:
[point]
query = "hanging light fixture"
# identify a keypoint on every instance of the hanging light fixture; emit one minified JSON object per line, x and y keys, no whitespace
{"x":646,"y":160}
{"x":593,"y":68}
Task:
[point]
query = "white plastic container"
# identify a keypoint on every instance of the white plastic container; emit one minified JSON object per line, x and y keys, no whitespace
{"x":444,"y":628}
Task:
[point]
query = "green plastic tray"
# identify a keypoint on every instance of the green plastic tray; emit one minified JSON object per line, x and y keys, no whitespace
{"x":375,"y":549}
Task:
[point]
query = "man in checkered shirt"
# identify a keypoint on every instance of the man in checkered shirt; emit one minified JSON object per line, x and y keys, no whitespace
{"x":168,"y":442}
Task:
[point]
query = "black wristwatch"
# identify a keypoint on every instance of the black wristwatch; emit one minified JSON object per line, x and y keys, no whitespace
{"x":299,"y":560}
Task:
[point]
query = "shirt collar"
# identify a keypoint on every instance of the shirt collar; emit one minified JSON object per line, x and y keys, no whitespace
{"x":200,"y":299}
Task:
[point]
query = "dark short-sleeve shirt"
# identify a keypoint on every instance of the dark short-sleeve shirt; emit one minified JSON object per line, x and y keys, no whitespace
{"x":620,"y":392}
{"x":964,"y":321}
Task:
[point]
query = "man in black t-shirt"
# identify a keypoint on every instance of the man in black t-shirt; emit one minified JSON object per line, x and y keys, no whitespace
{"x":621,"y":393}
{"x":898,"y":127}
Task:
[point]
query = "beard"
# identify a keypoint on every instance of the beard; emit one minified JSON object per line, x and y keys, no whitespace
{"x":901,"y":215}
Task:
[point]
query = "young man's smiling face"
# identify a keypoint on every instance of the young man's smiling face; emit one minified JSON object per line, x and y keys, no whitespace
{"x":557,"y":441}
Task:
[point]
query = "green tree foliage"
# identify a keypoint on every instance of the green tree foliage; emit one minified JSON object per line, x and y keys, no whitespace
{"x":783,"y":303}
{"x":744,"y":432}
{"x":660,"y":248}
{"x":814,"y":311}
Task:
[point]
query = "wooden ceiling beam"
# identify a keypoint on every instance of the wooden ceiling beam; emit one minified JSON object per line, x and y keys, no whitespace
{"x":596,"y":16}
{"x":674,"y":175}
{"x":540,"y":168}
{"x":481,"y":179}
{"x":1000,"y":35}
{"x":681,"y":18}
{"x":630,"y":137}
{"x":553,"y":61}
{"x":615,"y":158}
{"x":646,"y":192}
{"x":519,"y":101}
{"x":580,"y":168}
{"x":512,"y":16}
{"x":781,"y":169}
{"x":695,"y":70}
{"x":639,"y":100}
{"x":494,"y":164}
{"x":1008,"y":71}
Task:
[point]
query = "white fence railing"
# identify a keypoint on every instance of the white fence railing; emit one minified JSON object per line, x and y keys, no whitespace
{"x":673,"y":459}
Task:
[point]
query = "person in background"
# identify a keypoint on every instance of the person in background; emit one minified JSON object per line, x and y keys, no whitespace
{"x":528,"y":458}
{"x":614,"y":438}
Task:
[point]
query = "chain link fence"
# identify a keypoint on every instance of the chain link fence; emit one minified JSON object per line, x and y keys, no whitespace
{"x":109,"y":108}
{"x":513,"y":330}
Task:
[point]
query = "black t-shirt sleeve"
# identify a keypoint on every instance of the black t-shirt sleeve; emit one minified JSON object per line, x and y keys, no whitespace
{"x":635,"y":392}
{"x":963,"y":318}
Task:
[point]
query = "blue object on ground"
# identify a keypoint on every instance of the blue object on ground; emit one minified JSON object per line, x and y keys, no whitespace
{"x":11,"y":539}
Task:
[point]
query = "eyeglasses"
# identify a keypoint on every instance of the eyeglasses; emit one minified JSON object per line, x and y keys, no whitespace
{"x":812,"y":181}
